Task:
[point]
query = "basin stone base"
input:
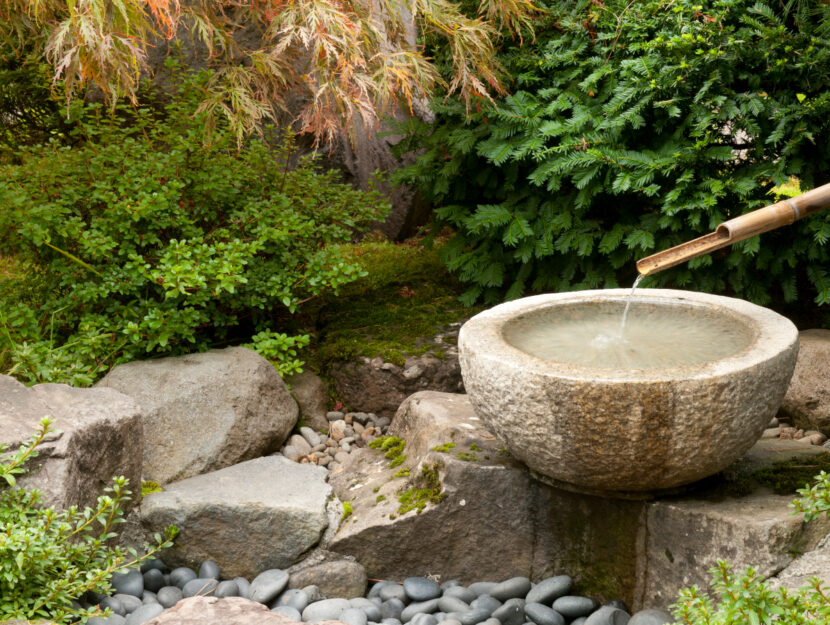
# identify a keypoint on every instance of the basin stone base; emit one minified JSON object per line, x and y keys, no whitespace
{"x":485,"y":516}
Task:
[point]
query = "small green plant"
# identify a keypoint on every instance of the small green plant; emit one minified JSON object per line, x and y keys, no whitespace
{"x":347,"y":511}
{"x":49,"y":558}
{"x":467,"y":456}
{"x":393,"y":447}
{"x":503,"y":451}
{"x":148,"y":487}
{"x":445,"y":448}
{"x":475,"y":447}
{"x":815,"y":499}
{"x":380,"y":498}
{"x":405,"y":472}
{"x":429,"y":492}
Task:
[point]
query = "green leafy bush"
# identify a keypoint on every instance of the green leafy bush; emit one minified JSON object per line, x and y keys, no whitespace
{"x":49,"y":558}
{"x":147,"y":240}
{"x":632,"y":127}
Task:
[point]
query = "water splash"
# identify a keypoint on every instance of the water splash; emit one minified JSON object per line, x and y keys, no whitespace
{"x":628,"y":304}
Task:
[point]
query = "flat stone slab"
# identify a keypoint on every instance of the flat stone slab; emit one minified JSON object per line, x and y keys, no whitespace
{"x":814,"y":563}
{"x":257,"y":515}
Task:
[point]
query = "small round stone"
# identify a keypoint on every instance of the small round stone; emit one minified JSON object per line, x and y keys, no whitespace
{"x":169,"y":596}
{"x":482,"y":588}
{"x":390,"y":621}
{"x":450,"y":621}
{"x":268,"y":585}
{"x":374,"y":591}
{"x":180,"y":576}
{"x":287,"y":610}
{"x":424,"y":619}
{"x":651,"y":617}
{"x":153,"y":563}
{"x":392,"y":608}
{"x":608,"y":615}
{"x":491,"y":621}
{"x":325,"y":610}
{"x":294,"y":597}
{"x":460,"y":592}
{"x":452,"y":604}
{"x":113,"y":619}
{"x":244,"y":587}
{"x":209,"y":569}
{"x":516,"y":587}
{"x":550,"y":589}
{"x":393,"y":591}
{"x":314,"y":593}
{"x":619,"y":604}
{"x":511,"y":613}
{"x":573,"y":606}
{"x":419,"y":607}
{"x":543,"y":615}
{"x":149,"y":597}
{"x":200,"y":587}
{"x":228,"y":588}
{"x":130,"y":603}
{"x":579,"y":621}
{"x":353,"y":616}
{"x":372,"y":612}
{"x":143,"y":614}
{"x":114,"y":605}
{"x":153,"y":580}
{"x":476,"y":615}
{"x":129,"y":582}
{"x":486,"y":602}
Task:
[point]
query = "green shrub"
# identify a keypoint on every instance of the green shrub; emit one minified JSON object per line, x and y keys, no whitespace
{"x":148,"y":241}
{"x":49,"y":558}
{"x":632,"y":127}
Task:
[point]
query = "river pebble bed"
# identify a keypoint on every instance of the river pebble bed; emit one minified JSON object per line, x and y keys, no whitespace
{"x":141,"y":595}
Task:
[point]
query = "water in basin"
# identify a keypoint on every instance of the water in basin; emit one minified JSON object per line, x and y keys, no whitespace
{"x":655,"y":336}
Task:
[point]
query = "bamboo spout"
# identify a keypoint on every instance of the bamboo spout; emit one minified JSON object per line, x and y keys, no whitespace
{"x":770,"y":217}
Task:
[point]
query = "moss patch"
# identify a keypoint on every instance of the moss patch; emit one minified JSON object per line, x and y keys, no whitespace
{"x":427,"y":491}
{"x":347,"y":511}
{"x":467,"y":456}
{"x":783,"y":477}
{"x":149,"y":487}
{"x":406,"y":299}
{"x":393,"y":447}
{"x":445,"y":448}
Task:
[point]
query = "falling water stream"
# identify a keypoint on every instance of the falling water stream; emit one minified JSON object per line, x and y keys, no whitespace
{"x":628,"y":305}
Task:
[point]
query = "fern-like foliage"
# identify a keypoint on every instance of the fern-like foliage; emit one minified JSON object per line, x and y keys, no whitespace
{"x":632,"y":127}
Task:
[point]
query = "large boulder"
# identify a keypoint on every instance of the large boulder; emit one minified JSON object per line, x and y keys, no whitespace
{"x":204,"y":412}
{"x":807,"y":402}
{"x":485,"y":517}
{"x":334,"y":574}
{"x":257,"y":515}
{"x":99,"y":436}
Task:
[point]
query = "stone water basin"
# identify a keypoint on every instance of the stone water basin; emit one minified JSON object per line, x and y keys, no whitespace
{"x":594,"y":425}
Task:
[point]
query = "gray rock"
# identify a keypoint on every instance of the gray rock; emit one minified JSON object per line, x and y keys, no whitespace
{"x":292,"y":453}
{"x":392,"y":608}
{"x":651,"y":617}
{"x":149,"y":596}
{"x":300,"y":444}
{"x":579,"y":621}
{"x":424,"y":619}
{"x":608,"y":615}
{"x":209,"y":568}
{"x":145,"y":613}
{"x":153,"y":580}
{"x":286,"y":610}
{"x":421,"y":588}
{"x":294,"y":597}
{"x":452,"y":621}
{"x":113,"y":619}
{"x":152,"y":563}
{"x":311,"y":395}
{"x":228,"y":588}
{"x":419,"y":607}
{"x":511,"y":588}
{"x":807,"y":402}
{"x":452,"y":604}
{"x":353,"y":616}
{"x":169,"y":596}
{"x":549,"y":589}
{"x":325,"y":610}
{"x":573,"y":606}
{"x":128,"y":582}
{"x":114,"y":605}
{"x":311,"y":437}
{"x":486,"y":602}
{"x":267,"y":511}
{"x":100,"y":435}
{"x":492,"y":621}
{"x":511,"y":613}
{"x":391,"y":621}
{"x":131,"y":603}
{"x":476,"y":615}
{"x":268,"y":585}
{"x":335,"y":575}
{"x":619,"y":604}
{"x":244,"y":586}
{"x":181,"y":575}
{"x":543,"y":615}
{"x":198,"y":586}
{"x":334,"y":415}
{"x":244,"y":410}
{"x":374,"y":591}
{"x":313,"y":591}
{"x":459,"y":592}
{"x":372,"y":613}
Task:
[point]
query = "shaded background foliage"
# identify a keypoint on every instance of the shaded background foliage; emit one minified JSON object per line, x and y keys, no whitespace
{"x":632,"y":127}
